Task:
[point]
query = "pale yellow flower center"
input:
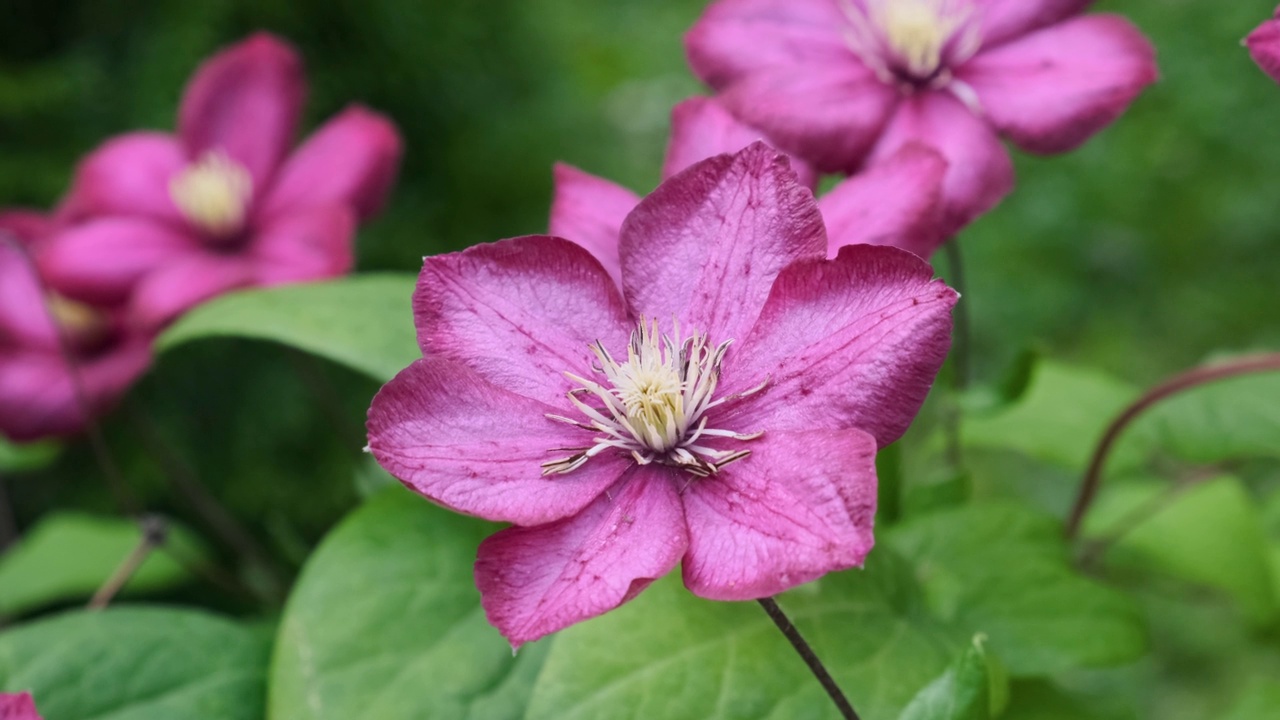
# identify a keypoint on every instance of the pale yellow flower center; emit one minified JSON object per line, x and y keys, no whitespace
{"x":912,"y":39}
{"x":213,"y":193}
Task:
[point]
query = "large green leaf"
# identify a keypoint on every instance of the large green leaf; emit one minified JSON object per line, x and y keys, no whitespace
{"x":385,"y":623}
{"x":963,"y":692}
{"x":1259,"y":701}
{"x":1003,"y":571}
{"x":70,"y":555}
{"x":671,"y":655}
{"x":364,"y":322}
{"x":137,"y":664}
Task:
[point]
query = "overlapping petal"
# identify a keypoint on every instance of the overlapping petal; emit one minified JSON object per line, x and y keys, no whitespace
{"x":128,"y":175}
{"x":24,"y":320}
{"x":802,"y":505}
{"x":1003,"y":20}
{"x":734,"y":38}
{"x":476,"y":448}
{"x":1053,"y":89}
{"x":706,"y":246}
{"x":700,"y":128}
{"x":179,"y":286}
{"x":1264,"y":46}
{"x":854,"y":342}
{"x":311,"y":243}
{"x":589,"y":210}
{"x":101,"y":261}
{"x":537,"y":580}
{"x":895,"y":203}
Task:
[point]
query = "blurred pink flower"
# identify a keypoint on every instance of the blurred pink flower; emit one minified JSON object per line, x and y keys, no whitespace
{"x":42,"y":330}
{"x":18,"y":707}
{"x":844,"y":83}
{"x":169,"y":221}
{"x":1264,"y":46}
{"x":896,"y":203}
{"x":720,"y":408}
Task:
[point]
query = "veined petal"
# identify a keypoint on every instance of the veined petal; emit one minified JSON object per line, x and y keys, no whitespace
{"x":352,"y":159}
{"x":309,"y":243}
{"x":245,"y":100}
{"x":802,"y":505}
{"x":589,"y":210}
{"x":1053,"y":89}
{"x":979,"y":172}
{"x":172,"y":290}
{"x":1264,"y":46}
{"x":537,"y":580}
{"x":101,"y":261}
{"x":701,"y":127}
{"x":896,"y":203}
{"x":520,"y":312}
{"x":476,"y":448}
{"x":706,"y":246}
{"x":1004,"y":20}
{"x":853,"y":342}
{"x":128,"y":175}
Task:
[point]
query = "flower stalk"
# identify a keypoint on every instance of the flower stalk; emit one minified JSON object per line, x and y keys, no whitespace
{"x":810,"y":658}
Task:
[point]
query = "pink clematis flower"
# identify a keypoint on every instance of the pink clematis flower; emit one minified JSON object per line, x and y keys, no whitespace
{"x":1264,"y":46}
{"x":721,"y":408}
{"x":167,"y":222}
{"x":843,"y":83}
{"x":897,"y":203}
{"x":42,"y":331}
{"x":18,"y":706}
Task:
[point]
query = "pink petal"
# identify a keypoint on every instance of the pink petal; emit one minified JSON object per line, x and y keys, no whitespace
{"x":589,"y":211}
{"x":476,"y":448}
{"x":1052,"y":90}
{"x":706,"y":246}
{"x":700,"y":128}
{"x":18,"y":707}
{"x":305,"y":244}
{"x":245,"y":100}
{"x":24,"y":320}
{"x":1004,"y":20}
{"x":128,"y":175}
{"x":167,"y":293}
{"x":979,"y":172}
{"x":1264,"y":46}
{"x":800,"y":506}
{"x":520,"y":312}
{"x":28,"y":227}
{"x":850,"y":342}
{"x":351,"y":159}
{"x":896,"y":203}
{"x":102,"y":260}
{"x":537,"y":580}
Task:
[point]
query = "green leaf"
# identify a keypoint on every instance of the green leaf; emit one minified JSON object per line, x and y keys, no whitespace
{"x":1209,"y":534}
{"x":136,"y":664}
{"x":27,"y":456}
{"x":364,"y":322}
{"x":1003,"y":571}
{"x":963,"y":692}
{"x":68,"y":556}
{"x":1233,"y":418}
{"x":386,"y":623}
{"x":671,"y":655}
{"x":1259,"y":701}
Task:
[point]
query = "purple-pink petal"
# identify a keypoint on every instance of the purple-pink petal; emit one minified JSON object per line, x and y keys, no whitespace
{"x":245,"y":101}
{"x":734,"y":38}
{"x":979,"y":171}
{"x":307,"y":243}
{"x":520,"y":312}
{"x":24,"y":320}
{"x":536,"y":580}
{"x":589,"y":210}
{"x":853,"y":342}
{"x":706,"y":246}
{"x":352,"y":159}
{"x":701,"y":127}
{"x":18,"y":706}
{"x":102,"y":260}
{"x":168,"y":292}
{"x":1003,"y":20}
{"x":476,"y":448}
{"x":896,"y":203}
{"x":1264,"y":46}
{"x":128,"y":175}
{"x":1053,"y":89}
{"x":800,"y":506}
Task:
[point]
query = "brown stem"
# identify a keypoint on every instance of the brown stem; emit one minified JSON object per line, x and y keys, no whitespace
{"x":961,"y":346}
{"x":155,"y":531}
{"x":1172,"y":386}
{"x":810,"y":658}
{"x":8,"y":525}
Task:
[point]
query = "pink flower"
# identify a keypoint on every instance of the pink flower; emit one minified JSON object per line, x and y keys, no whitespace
{"x":42,"y":330}
{"x":843,"y":83}
{"x":1264,"y":46}
{"x":167,"y":222}
{"x":897,"y":203}
{"x":721,"y":408}
{"x":18,"y":707}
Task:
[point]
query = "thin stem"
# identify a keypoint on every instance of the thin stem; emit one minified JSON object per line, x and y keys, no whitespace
{"x":961,"y":345}
{"x":816,"y":667}
{"x":8,"y":524}
{"x":1172,"y":386}
{"x":155,"y":531}
{"x":1137,"y":516}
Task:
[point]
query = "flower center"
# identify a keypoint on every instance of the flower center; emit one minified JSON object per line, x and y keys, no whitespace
{"x":655,"y":404}
{"x":213,"y":193}
{"x":913,"y":41}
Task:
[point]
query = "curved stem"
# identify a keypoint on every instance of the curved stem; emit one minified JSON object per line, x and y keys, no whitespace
{"x":810,"y":658}
{"x":1172,"y":386}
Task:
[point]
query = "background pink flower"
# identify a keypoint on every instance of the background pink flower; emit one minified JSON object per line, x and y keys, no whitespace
{"x":166,"y":222}
{"x":1264,"y":46}
{"x":18,"y":706}
{"x":843,"y":83}
{"x":742,"y":383}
